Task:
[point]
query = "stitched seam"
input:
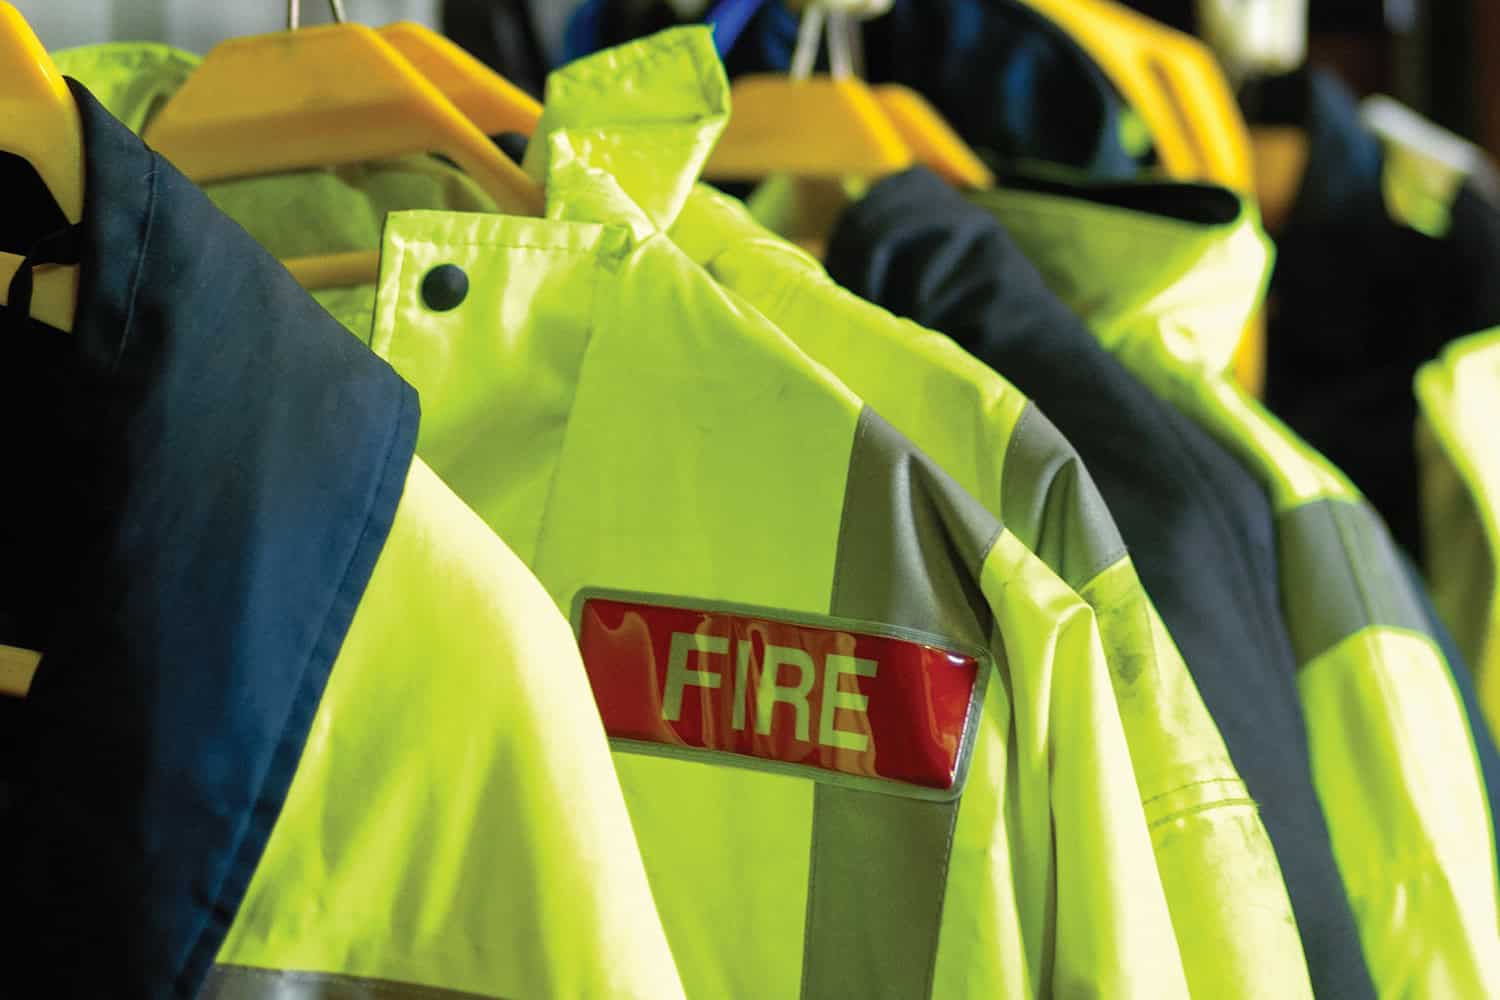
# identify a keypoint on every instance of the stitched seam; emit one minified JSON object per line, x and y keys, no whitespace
{"x":1191,"y":784}
{"x":140,"y":266}
{"x":1195,"y":810}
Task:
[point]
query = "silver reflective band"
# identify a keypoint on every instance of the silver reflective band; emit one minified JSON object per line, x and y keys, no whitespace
{"x":879,"y":865}
{"x":241,"y":982}
{"x":1341,"y":574}
{"x":1052,"y":504}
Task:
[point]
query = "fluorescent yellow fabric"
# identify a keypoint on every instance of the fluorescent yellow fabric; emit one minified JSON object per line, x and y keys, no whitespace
{"x":622,"y":421}
{"x":1229,"y":905}
{"x":455,"y":821}
{"x":132,"y":80}
{"x":1392,"y":762}
{"x":629,"y":424}
{"x":1458,"y":448}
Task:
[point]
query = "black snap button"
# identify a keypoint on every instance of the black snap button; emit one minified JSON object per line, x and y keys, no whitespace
{"x":444,"y":287}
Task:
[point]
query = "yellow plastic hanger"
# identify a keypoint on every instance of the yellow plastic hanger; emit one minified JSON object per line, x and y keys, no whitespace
{"x":39,"y":122}
{"x":324,"y":96}
{"x":837,"y":125}
{"x":486,"y":98}
{"x":825,"y":126}
{"x":1172,"y":80}
{"x":1281,"y":154}
{"x":932,"y":140}
{"x":811,"y":128}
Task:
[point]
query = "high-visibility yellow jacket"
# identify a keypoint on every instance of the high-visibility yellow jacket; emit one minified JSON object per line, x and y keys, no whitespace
{"x":1165,"y":281}
{"x":1458,"y":451}
{"x":1229,"y":906}
{"x":653,"y":448}
{"x":1228,"y":903}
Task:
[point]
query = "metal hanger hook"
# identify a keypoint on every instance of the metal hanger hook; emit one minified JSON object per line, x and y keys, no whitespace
{"x":294,"y":13}
{"x":809,"y":39}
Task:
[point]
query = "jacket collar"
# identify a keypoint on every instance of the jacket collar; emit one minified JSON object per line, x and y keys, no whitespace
{"x":666,"y":94}
{"x":1181,"y":264}
{"x":234,"y":460}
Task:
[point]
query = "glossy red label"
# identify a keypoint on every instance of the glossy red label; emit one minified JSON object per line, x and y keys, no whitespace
{"x":824,"y":697}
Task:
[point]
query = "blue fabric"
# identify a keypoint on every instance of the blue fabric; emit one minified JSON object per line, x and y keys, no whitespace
{"x":1010,"y":81}
{"x":1198,"y":525}
{"x":581,"y":37}
{"x":729,"y":20}
{"x":233,"y":463}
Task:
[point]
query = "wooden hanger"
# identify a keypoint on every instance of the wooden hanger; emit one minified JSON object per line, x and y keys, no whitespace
{"x":39,"y":122}
{"x":325,"y":96}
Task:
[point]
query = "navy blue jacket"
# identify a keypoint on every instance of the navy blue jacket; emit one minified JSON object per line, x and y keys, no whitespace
{"x":218,"y":465}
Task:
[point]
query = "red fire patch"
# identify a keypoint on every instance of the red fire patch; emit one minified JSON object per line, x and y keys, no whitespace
{"x":829,"y":697}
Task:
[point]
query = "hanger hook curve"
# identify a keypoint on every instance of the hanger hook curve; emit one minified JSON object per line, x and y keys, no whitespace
{"x":294,"y":13}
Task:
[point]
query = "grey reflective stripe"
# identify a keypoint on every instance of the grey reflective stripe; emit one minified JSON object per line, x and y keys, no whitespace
{"x":1340,"y":574}
{"x":910,"y":549}
{"x":1052,"y":504}
{"x":911,"y":542}
{"x":241,"y":982}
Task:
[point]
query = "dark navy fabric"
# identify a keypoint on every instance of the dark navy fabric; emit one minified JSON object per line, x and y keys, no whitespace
{"x":1343,"y":17}
{"x":1360,"y":301}
{"x":1198,"y":525}
{"x":31,"y":390}
{"x":1010,"y":81}
{"x":500,"y":33}
{"x":233,"y":461}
